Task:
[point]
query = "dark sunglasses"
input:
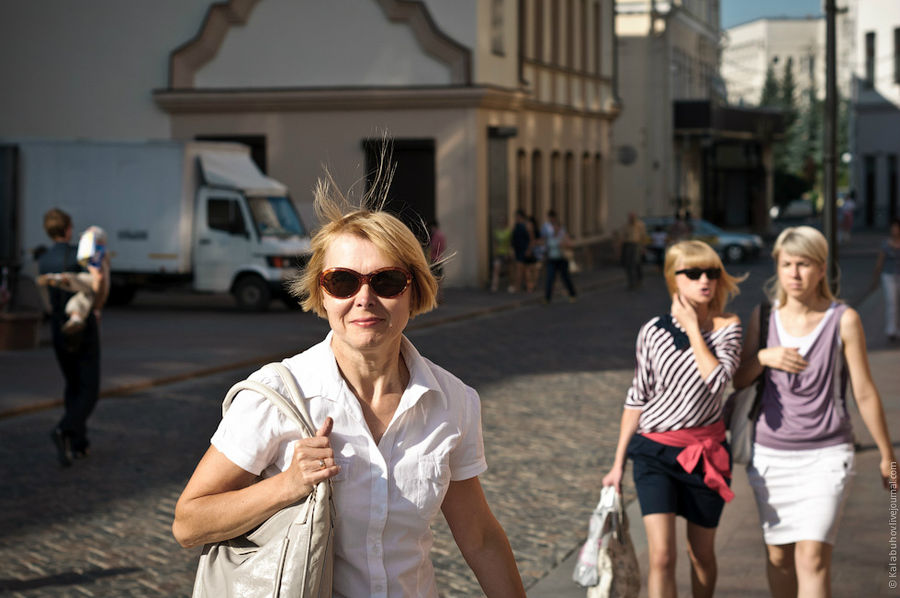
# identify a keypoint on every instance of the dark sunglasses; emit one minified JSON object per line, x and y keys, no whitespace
{"x":696,"y":273}
{"x":384,"y":282}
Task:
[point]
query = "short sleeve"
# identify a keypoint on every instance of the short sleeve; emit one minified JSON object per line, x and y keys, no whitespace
{"x":254,"y":434}
{"x":727,"y":349}
{"x":467,"y":457}
{"x":640,"y":391}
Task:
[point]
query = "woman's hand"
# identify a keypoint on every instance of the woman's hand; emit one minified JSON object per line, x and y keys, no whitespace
{"x":614,"y":478}
{"x":311,"y":463}
{"x":786,"y":359}
{"x":684,"y":313}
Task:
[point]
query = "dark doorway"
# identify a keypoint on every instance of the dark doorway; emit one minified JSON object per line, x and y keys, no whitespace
{"x":256,"y":143}
{"x":411,"y":194}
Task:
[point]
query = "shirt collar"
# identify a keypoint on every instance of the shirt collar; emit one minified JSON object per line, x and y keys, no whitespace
{"x":421,"y":375}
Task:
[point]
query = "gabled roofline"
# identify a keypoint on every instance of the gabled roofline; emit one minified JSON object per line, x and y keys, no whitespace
{"x":188,"y":58}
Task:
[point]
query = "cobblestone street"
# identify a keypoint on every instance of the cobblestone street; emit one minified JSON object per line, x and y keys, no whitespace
{"x":551,"y":378}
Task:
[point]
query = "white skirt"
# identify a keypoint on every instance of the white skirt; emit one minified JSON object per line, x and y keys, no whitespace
{"x":801,"y":494}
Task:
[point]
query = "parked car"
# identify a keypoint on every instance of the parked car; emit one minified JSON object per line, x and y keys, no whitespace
{"x":732,"y":246}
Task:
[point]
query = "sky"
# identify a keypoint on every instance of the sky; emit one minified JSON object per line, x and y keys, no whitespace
{"x":735,"y":12}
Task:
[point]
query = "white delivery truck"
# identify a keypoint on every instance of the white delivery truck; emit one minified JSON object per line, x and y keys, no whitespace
{"x":182,"y":213}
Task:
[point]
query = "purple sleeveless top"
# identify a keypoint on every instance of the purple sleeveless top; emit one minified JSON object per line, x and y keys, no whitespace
{"x":807,"y":410}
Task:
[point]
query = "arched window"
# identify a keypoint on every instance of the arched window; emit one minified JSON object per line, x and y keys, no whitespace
{"x":536,"y":182}
{"x":599,"y":218}
{"x":522,"y":180}
{"x":569,"y":193}
{"x":556,"y":186}
{"x":588,"y":215}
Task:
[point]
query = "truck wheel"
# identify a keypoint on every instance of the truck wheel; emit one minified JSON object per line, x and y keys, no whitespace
{"x":121,"y":294}
{"x":252,"y":294}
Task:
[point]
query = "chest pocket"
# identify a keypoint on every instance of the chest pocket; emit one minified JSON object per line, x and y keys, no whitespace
{"x":424,"y":482}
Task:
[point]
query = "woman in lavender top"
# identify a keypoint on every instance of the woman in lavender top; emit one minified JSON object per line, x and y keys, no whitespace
{"x":803,"y":447}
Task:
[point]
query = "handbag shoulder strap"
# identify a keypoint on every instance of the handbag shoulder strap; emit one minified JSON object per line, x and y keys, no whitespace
{"x":293,"y":407}
{"x":765,"y":312}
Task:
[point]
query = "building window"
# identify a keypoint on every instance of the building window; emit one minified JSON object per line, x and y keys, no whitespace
{"x":556,"y":186}
{"x":893,"y":191}
{"x":869,"y":180}
{"x":569,"y":192}
{"x":497,"y":42}
{"x":598,"y":193}
{"x":536,"y":181}
{"x":588,"y":217}
{"x":522,"y":181}
{"x":598,"y":41}
{"x":570,"y":34}
{"x":897,"y":55}
{"x":585,"y":40}
{"x":554,"y":32}
{"x":869,"y":79}
{"x":539,"y":30}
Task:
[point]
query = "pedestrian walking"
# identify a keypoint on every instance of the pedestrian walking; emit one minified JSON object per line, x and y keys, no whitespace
{"x":534,"y":261}
{"x":502,"y":249}
{"x":634,"y":236}
{"x":672,"y":426}
{"x":802,"y":460}
{"x":556,"y":242}
{"x":521,"y":246}
{"x":887,"y":273}
{"x":399,"y":437}
{"x":76,"y":346}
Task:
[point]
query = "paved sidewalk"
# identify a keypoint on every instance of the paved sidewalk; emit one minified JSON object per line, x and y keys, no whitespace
{"x":861,"y":557}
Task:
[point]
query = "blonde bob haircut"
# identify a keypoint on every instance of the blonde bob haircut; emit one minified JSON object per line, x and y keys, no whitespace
{"x":802,"y":241}
{"x":368,"y":221}
{"x":697,"y":254}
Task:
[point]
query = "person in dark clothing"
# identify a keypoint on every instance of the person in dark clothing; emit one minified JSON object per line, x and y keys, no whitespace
{"x":521,"y":244}
{"x":78,"y":354}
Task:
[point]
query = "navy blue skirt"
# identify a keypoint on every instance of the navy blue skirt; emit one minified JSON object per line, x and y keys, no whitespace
{"x":663,"y":486}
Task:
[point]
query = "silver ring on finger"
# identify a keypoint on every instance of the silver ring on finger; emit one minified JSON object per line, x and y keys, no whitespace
{"x":321,"y":463}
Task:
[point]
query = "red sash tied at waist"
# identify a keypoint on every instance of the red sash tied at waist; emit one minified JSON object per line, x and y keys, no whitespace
{"x":703,"y":442}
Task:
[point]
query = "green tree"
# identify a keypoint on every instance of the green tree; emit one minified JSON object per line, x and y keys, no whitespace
{"x":770,"y":92}
{"x":788,"y":89}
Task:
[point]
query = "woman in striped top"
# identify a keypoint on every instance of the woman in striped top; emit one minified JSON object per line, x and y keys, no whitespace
{"x":672,"y":425}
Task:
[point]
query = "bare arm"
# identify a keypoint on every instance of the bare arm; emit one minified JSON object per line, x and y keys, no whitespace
{"x":687,"y":317}
{"x":627,"y":429}
{"x":750,"y":367}
{"x":867,"y":397}
{"x":222,"y":501}
{"x":481,"y":540}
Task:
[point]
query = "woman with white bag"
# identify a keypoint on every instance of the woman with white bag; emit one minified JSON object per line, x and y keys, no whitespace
{"x":672,"y":425}
{"x":802,"y":457}
{"x":399,"y":437}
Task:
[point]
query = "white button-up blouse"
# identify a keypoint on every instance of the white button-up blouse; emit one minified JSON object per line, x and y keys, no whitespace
{"x":386,"y":495}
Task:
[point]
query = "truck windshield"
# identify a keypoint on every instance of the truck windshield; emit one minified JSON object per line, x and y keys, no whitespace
{"x":276,"y":216}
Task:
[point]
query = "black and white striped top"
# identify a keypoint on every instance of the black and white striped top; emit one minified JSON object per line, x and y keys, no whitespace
{"x":667,"y":386}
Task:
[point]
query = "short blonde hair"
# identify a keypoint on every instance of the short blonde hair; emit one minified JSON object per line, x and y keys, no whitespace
{"x":803,"y":241}
{"x":697,"y":254}
{"x":339,"y":216}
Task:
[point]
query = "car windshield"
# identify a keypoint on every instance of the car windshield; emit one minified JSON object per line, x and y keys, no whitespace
{"x":276,"y":216}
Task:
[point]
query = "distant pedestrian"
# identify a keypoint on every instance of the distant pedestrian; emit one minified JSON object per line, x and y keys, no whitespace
{"x":802,"y":462}
{"x":502,"y":250}
{"x":672,"y":426}
{"x":634,"y":236}
{"x":659,"y":240}
{"x":534,"y":258}
{"x":521,"y":246}
{"x":679,"y":230}
{"x":887,"y":268}
{"x":845,"y":218}
{"x":77,"y":353}
{"x":556,"y":241}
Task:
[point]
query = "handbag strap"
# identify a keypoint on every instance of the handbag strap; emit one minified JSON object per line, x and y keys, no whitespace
{"x":293,"y":407}
{"x":765,"y":312}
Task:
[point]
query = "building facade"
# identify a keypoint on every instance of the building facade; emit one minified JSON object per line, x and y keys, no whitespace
{"x":678,"y":148}
{"x":491,"y":105}
{"x":876,"y":112}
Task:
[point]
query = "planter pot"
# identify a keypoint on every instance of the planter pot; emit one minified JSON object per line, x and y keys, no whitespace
{"x":19,"y":330}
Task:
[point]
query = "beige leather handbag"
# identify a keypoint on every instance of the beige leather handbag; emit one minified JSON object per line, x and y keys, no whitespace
{"x":291,"y":554}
